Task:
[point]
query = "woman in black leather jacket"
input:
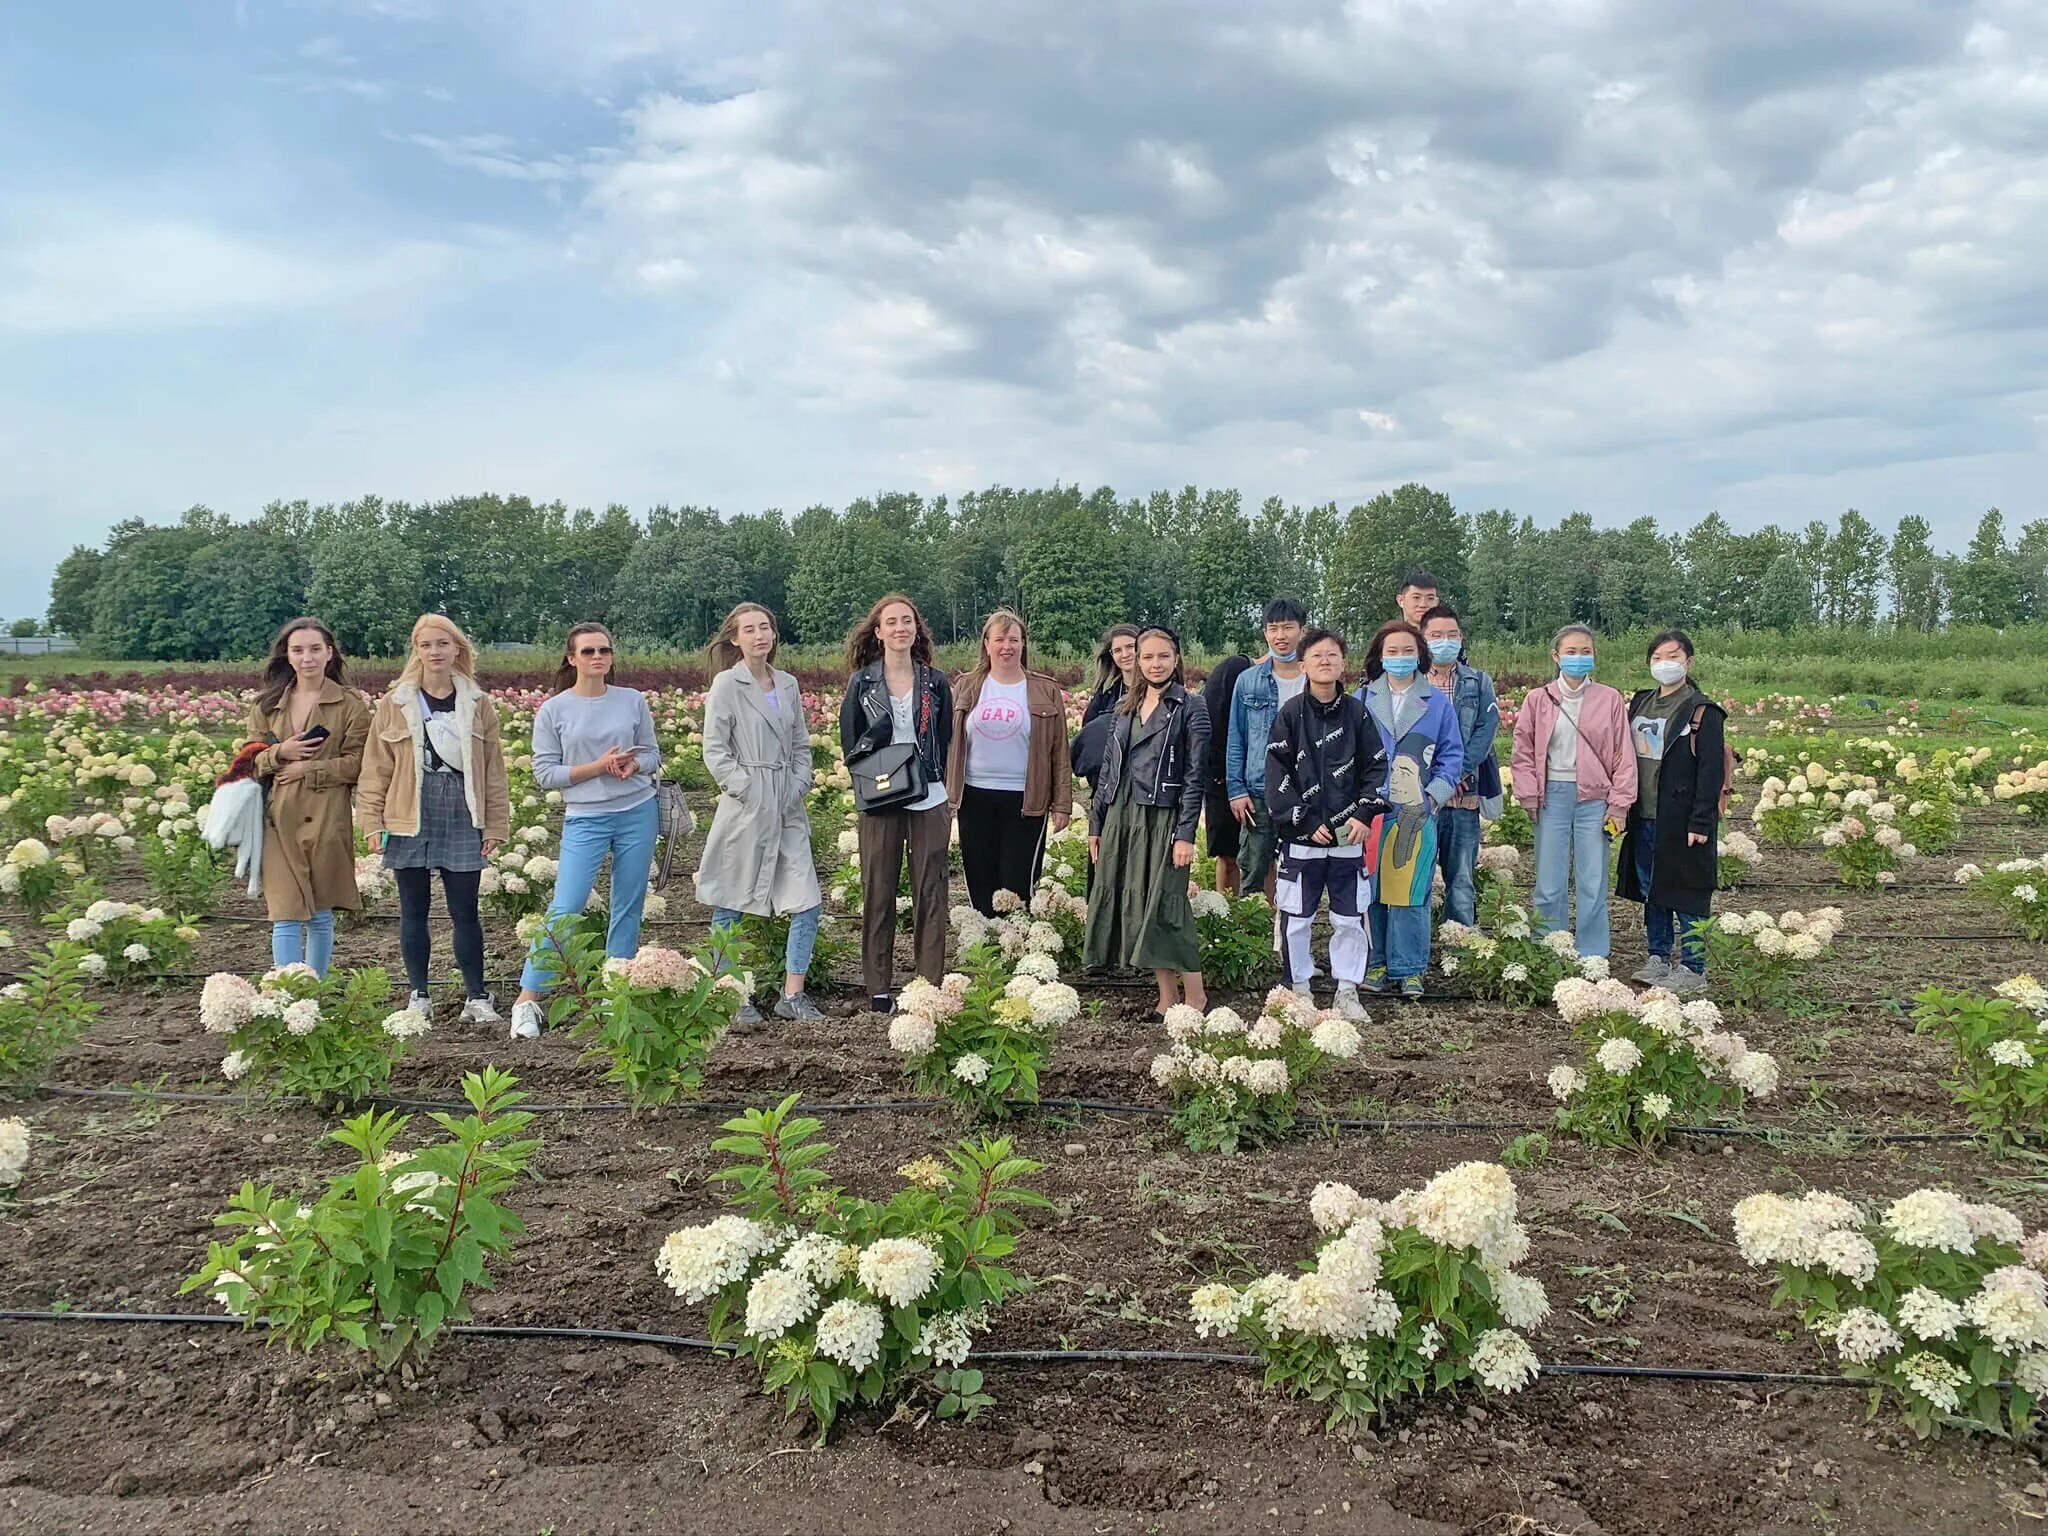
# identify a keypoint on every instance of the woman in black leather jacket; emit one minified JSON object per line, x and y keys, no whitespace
{"x":896,"y":693}
{"x":1142,"y":819}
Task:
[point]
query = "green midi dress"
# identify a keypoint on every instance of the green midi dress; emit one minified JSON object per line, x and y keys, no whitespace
{"x":1138,"y":912}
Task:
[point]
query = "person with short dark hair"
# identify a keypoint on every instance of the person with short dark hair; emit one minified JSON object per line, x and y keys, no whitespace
{"x":1669,"y":852}
{"x":1325,"y":777}
{"x":1425,"y":759}
{"x":1478,"y":710}
{"x":1254,"y":703}
{"x":1418,"y":593}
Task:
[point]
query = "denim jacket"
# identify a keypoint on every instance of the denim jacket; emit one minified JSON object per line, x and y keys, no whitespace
{"x":1479,"y":722}
{"x":1253,"y":704}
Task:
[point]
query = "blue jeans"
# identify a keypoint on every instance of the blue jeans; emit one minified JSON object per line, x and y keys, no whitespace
{"x":803,"y":935}
{"x":629,"y":837}
{"x":312,"y":941}
{"x":1457,"y":855}
{"x":1399,"y":938}
{"x":1658,"y":922}
{"x":1571,"y":849}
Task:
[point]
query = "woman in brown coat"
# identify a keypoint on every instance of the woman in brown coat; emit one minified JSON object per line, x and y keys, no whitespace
{"x":316,"y":729}
{"x":1009,"y":771}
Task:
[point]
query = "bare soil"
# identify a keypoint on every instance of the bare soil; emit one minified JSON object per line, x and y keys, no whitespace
{"x":185,"y":1428}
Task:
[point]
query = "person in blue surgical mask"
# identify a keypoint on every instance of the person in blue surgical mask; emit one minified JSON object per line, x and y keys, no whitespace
{"x":1478,"y":793}
{"x":1574,"y":770}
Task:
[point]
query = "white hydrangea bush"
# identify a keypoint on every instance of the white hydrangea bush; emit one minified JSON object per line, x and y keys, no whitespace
{"x":2001,"y":1046}
{"x":295,"y":1034}
{"x":1237,"y":1084}
{"x":1650,"y":1062}
{"x":1736,"y":857}
{"x":838,"y":1299}
{"x":1936,"y":1300}
{"x":1755,"y":960}
{"x":981,"y":1040}
{"x":13,"y":1152}
{"x":2018,"y":888}
{"x":1868,"y":845}
{"x":1504,"y":958}
{"x":1406,"y":1297}
{"x":1050,"y":924}
{"x":125,"y":942}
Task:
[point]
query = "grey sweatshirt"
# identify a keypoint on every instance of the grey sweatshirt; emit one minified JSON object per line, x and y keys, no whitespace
{"x":570,"y":730}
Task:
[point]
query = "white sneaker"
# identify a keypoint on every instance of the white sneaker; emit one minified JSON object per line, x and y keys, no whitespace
{"x":1657,"y":969}
{"x":1685,"y":982}
{"x":526,"y":1021}
{"x":421,"y":1004}
{"x":1346,"y":1003}
{"x":480,"y":1010}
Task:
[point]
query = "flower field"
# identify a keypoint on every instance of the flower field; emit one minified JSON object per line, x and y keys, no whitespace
{"x":1040,"y":1262}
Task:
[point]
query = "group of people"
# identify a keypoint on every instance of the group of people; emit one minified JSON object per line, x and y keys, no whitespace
{"x":1325,"y":796}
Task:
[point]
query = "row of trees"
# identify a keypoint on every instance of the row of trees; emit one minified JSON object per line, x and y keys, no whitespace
{"x":509,"y":570}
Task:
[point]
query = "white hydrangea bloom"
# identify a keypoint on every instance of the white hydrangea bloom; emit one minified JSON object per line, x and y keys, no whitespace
{"x":1847,"y":1253}
{"x":1863,"y":1336}
{"x":946,"y":1338}
{"x":850,"y":1332}
{"x":1217,"y":1310}
{"x":913,"y":1034}
{"x":1333,"y":1207}
{"x":1521,"y":1298}
{"x":898,"y":1269}
{"x":1503,"y":1360}
{"x":778,"y":1301}
{"x":1619,"y":1054}
{"x":971,"y":1069}
{"x":1565,"y":1081}
{"x":698,"y":1262}
{"x":1337,"y":1037}
{"x":1927,"y":1314}
{"x":1931,"y":1218}
{"x":13,"y":1151}
{"x":1935,"y":1379}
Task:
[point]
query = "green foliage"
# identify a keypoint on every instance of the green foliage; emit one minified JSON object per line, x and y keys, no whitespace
{"x":41,"y":1013}
{"x":367,"y":584}
{"x":183,"y":873}
{"x":977,"y":1044}
{"x":1070,"y":581}
{"x":1237,"y":941}
{"x":2018,"y":888}
{"x":388,"y":1255}
{"x":764,"y":941}
{"x":34,"y":878}
{"x":131,"y":943}
{"x":2001,"y":1048}
{"x":814,"y":1243}
{"x":1678,"y":1073}
{"x":1503,"y":958}
{"x":652,"y":1021}
{"x":1236,"y":1087}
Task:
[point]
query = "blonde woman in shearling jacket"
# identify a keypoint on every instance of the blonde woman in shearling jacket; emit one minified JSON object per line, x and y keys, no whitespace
{"x":433,"y":794}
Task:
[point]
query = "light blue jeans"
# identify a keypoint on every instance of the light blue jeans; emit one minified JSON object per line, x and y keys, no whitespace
{"x":1571,"y":850}
{"x":1400,"y":940}
{"x":629,"y":837}
{"x":803,"y":935}
{"x":1457,"y":855}
{"x":312,"y":941}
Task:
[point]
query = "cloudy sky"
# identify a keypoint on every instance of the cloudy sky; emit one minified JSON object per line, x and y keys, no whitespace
{"x":1638,"y":256}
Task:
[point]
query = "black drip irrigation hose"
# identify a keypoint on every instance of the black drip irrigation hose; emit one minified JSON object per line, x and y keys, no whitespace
{"x":1004,"y":1356}
{"x":1084,"y":1106}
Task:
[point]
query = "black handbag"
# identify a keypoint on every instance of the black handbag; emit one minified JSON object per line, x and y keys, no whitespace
{"x":888,"y":777}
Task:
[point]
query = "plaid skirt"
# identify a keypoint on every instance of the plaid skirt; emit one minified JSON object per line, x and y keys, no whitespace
{"x":447,"y":839}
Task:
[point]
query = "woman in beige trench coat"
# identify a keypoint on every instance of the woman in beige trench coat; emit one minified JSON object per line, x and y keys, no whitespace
{"x":757,"y":748}
{"x":316,"y":729}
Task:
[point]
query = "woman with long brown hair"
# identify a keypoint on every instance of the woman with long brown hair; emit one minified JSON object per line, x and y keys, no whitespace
{"x":1142,"y":818}
{"x":897,"y":697}
{"x":315,"y":728}
{"x":1010,"y":773}
{"x":594,"y":742}
{"x":757,"y":749}
{"x":434,"y":796}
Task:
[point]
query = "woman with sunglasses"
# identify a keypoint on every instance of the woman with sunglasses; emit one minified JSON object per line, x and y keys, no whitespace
{"x":594,"y":742}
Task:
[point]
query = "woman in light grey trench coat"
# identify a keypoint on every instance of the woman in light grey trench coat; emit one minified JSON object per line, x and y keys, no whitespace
{"x":757,"y":748}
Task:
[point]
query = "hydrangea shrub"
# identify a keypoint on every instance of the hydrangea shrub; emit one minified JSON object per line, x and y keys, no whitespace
{"x":1237,"y":1085}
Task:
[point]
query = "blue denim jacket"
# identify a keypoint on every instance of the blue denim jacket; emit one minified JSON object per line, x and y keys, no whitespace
{"x":1253,"y":704}
{"x":1479,"y":723}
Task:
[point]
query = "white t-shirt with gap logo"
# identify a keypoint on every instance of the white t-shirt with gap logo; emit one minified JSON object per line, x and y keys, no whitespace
{"x":999,"y":735}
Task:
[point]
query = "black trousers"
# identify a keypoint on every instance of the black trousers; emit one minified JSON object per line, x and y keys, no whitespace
{"x":416,"y":942}
{"x":1001,"y":849}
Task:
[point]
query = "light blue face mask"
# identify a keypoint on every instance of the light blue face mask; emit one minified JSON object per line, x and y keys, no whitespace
{"x":1575,"y":667}
{"x":1444,"y":652}
{"x":1398,"y":666}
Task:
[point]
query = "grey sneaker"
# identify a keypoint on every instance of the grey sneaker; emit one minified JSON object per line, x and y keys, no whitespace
{"x":1656,"y":971}
{"x":1685,"y":983}
{"x":480,"y":1010}
{"x":749,"y":1017}
{"x":1411,"y":989}
{"x":798,"y":1007}
{"x":421,"y":1004}
{"x":1376,"y":981}
{"x":527,"y":1020}
{"x":1346,"y":1003}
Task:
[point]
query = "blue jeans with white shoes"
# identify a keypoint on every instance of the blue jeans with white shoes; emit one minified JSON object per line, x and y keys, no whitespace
{"x":629,"y":837}
{"x":1571,"y":850}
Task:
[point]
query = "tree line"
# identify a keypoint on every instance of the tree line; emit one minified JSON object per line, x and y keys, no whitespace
{"x":511,"y":570}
